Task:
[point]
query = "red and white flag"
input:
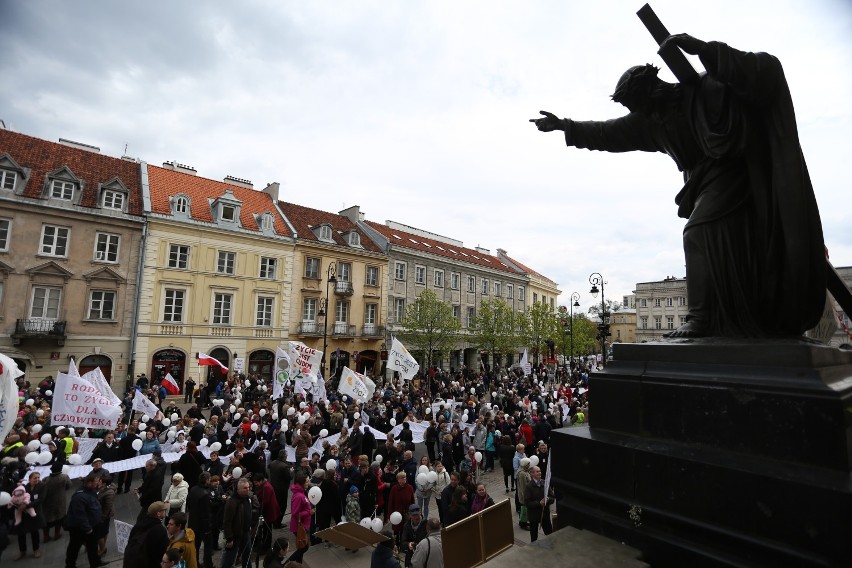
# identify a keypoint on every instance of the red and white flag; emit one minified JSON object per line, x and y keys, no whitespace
{"x":205,"y":359}
{"x":170,"y":384}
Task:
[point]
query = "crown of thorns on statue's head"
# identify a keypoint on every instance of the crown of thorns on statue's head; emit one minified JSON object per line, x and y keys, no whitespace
{"x":635,"y":80}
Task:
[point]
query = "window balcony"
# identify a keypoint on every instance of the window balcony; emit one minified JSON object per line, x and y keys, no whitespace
{"x":39,"y":329}
{"x":343,"y":329}
{"x":372,"y":330}
{"x":343,"y":288}
{"x":310,"y":328}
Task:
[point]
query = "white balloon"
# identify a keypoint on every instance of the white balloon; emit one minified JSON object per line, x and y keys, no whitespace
{"x":48,"y":393}
{"x":464,"y":418}
{"x":144,"y":418}
{"x":31,"y":458}
{"x":331,"y":464}
{"x":202,"y":421}
{"x":203,"y":442}
{"x":33,"y":445}
{"x":215,"y":446}
{"x":478,"y":457}
{"x":170,"y":434}
{"x":30,"y":402}
{"x":142,"y":426}
{"x":533,"y":460}
{"x":396,"y":518}
{"x":314,"y":495}
{"x":465,"y":410}
{"x":275,"y":416}
{"x":137,"y":444}
{"x":238,"y":401}
{"x":175,"y":416}
{"x":284,"y":426}
{"x":262,"y":412}
{"x":232,"y":408}
{"x":423,"y":469}
{"x":377,"y":524}
{"x":5,"y":498}
{"x":525,"y":461}
{"x":356,"y":416}
{"x":237,"y":416}
{"x":379,"y":458}
{"x":254,"y":427}
{"x":494,"y":393}
{"x":46,"y":438}
{"x":432,"y":476}
{"x":428,"y":411}
{"x":393,"y":421}
{"x":472,"y":390}
{"x":366,"y":522}
{"x":75,"y":459}
{"x":291,"y":411}
{"x":39,"y":413}
{"x":228,"y":442}
{"x":421,"y":479}
{"x":302,"y":404}
{"x":323,"y":433}
{"x":248,"y":383}
{"x":44,"y":458}
{"x":166,"y":422}
{"x":237,"y":472}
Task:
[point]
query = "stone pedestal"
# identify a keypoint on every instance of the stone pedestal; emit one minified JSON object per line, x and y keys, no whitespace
{"x":709,"y":453}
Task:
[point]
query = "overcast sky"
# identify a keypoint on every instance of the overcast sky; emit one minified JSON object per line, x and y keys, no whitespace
{"x":417,"y":111}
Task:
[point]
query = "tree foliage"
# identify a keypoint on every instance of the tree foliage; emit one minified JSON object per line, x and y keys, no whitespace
{"x":430,"y":328}
{"x":611,"y":306}
{"x":494,"y":327}
{"x":539,"y":325}
{"x":584,"y":331}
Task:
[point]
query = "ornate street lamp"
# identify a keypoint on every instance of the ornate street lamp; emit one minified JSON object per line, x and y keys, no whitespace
{"x":323,"y":311}
{"x":574,"y":303}
{"x":595,"y":278}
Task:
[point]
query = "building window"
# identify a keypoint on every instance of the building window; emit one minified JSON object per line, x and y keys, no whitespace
{"x":471,"y":314}
{"x":222,"y":308}
{"x":341,"y":311}
{"x":267,"y":222}
{"x":484,"y":287}
{"x":225,"y":262}
{"x":552,"y":304}
{"x":102,"y":305}
{"x":54,"y":240}
{"x":399,"y":271}
{"x":535,"y":298}
{"x":106,"y":247}
{"x":62,"y":190}
{"x":229,"y":213}
{"x":498,"y":289}
{"x":420,"y":275}
{"x":178,"y":256}
{"x":471,"y":284}
{"x":370,"y":313}
{"x":173,"y":308}
{"x":399,"y":309}
{"x":325,"y":233}
{"x":344,"y":271}
{"x":46,"y":302}
{"x":309,"y":309}
{"x":354,"y":239}
{"x":264,"y":311}
{"x":113,"y":200}
{"x":643,"y":303}
{"x":643,"y":322}
{"x":5,"y":231}
{"x":521,"y":293}
{"x":658,"y":322}
{"x":181,"y":204}
{"x":656,"y":302}
{"x":439,"y":279}
{"x":455,"y":280}
{"x":670,"y":322}
{"x":510,"y":292}
{"x":372,"y":276}
{"x":681,"y":301}
{"x":7,"y":179}
{"x":669,"y":302}
{"x":457,"y":312}
{"x":312,"y":267}
{"x":267,"y":267}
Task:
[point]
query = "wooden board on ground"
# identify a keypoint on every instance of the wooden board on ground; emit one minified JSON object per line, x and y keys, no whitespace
{"x":350,"y":535}
{"x":465,"y":543}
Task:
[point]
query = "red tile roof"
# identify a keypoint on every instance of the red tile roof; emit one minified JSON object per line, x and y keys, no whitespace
{"x":165,"y":184}
{"x":462,"y":254}
{"x":92,"y":168}
{"x":529,"y":270}
{"x":304,"y":219}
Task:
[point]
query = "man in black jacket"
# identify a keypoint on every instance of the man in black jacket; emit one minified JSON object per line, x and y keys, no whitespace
{"x":151,"y":489}
{"x":148,"y":539}
{"x":237,"y":525}
{"x":84,"y":514}
{"x":126,"y":451}
{"x":200,"y":511}
{"x":279,"y":477}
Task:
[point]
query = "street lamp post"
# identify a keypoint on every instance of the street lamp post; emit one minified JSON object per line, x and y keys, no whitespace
{"x":323,"y":311}
{"x":575,"y":296}
{"x":595,"y":278}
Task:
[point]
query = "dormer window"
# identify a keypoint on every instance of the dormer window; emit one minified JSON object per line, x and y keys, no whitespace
{"x":8,"y":179}
{"x":113,"y":200}
{"x":10,"y":173}
{"x":354,"y":239}
{"x":226,"y":208}
{"x":267,"y":222}
{"x":60,"y":189}
{"x":229,"y":213}
{"x":180,"y":204}
{"x":325,"y":233}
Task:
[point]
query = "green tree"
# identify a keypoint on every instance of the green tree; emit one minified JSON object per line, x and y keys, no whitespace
{"x":611,"y":306}
{"x":584,"y":331}
{"x":494,"y":327}
{"x":540,"y":325}
{"x":430,"y":328}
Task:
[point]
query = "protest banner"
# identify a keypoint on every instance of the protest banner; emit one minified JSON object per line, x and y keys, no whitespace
{"x":315,"y":388}
{"x":77,"y":403}
{"x":399,"y":359}
{"x":98,"y":380}
{"x":295,"y":361}
{"x":122,"y":533}
{"x":356,"y":385}
{"x":8,"y":394}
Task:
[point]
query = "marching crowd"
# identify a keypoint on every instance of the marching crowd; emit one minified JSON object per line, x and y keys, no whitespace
{"x":245,"y":462}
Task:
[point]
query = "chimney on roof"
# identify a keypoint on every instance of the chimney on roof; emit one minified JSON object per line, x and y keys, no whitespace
{"x":178,"y":167}
{"x":272,"y":189}
{"x":353,"y":213}
{"x":482,"y":250}
{"x":129,"y":159}
{"x":80,"y":145}
{"x":239,"y":182}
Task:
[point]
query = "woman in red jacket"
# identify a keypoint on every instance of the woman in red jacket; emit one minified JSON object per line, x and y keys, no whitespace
{"x":525,"y":436}
{"x":400,"y":498}
{"x":300,"y":512}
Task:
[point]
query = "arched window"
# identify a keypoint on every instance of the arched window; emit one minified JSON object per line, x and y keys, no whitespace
{"x":182,"y":204}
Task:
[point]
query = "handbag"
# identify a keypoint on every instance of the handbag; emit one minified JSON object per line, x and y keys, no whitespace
{"x":302,"y":537}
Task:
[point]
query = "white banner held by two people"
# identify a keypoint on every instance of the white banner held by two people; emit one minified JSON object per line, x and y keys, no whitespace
{"x":399,"y":359}
{"x":77,"y":403}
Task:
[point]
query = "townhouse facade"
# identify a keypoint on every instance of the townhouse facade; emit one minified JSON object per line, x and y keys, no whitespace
{"x":339,"y":275}
{"x":217,"y":276}
{"x":71,"y":227}
{"x":661,"y":306}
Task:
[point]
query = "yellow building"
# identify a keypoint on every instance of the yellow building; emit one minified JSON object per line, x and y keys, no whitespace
{"x":623,"y":326}
{"x":339,"y":274}
{"x":217,"y":274}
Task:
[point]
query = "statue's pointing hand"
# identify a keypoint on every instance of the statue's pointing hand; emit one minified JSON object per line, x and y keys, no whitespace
{"x":686,"y":42}
{"x":549,"y":123}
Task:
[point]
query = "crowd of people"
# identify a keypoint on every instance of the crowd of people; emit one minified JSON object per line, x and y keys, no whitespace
{"x":246,"y":462}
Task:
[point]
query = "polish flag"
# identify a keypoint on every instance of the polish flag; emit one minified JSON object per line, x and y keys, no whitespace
{"x":170,"y":384}
{"x":205,"y":359}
